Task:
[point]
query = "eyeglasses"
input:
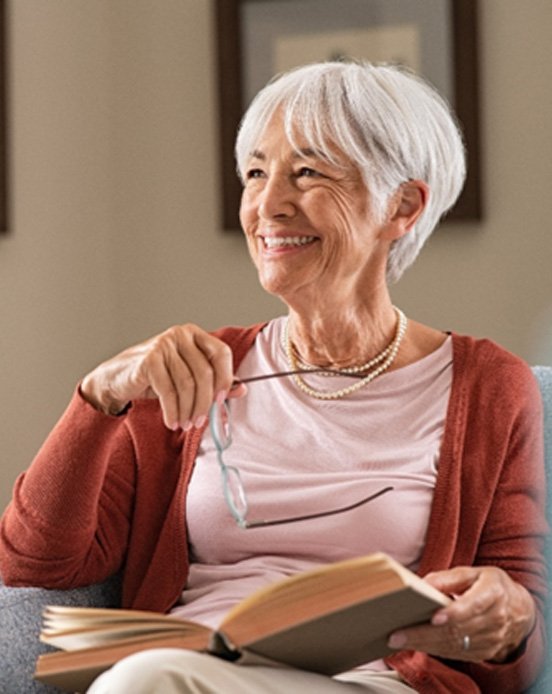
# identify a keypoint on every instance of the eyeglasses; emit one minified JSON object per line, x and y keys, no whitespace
{"x":233,"y":489}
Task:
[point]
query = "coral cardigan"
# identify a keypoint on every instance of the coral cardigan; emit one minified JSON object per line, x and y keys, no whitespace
{"x":106,"y":494}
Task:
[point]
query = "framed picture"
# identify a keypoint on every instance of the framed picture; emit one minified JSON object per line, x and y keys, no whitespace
{"x":260,"y":38}
{"x":3,"y":123}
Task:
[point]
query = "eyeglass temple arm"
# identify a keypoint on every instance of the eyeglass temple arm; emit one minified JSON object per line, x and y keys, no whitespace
{"x":263,"y":377}
{"x":311,"y":516}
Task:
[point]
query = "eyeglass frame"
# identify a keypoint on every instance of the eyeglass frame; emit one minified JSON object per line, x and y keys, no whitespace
{"x":228,"y":470}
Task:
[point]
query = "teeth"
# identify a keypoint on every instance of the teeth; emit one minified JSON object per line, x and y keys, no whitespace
{"x":272,"y":242}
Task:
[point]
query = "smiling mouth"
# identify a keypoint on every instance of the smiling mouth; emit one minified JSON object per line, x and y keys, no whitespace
{"x":271,"y":242}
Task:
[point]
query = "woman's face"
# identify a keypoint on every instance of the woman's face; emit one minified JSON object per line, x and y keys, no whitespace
{"x":308,"y":223}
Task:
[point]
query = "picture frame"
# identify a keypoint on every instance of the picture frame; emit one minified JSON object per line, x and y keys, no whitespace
{"x":3,"y":122}
{"x":235,"y":22}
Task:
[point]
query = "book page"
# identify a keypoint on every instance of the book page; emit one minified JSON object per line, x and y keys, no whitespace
{"x":61,"y":616}
{"x":75,"y":670}
{"x":72,"y":628}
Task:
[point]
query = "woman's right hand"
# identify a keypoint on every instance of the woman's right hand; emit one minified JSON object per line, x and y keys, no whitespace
{"x":185,"y":367}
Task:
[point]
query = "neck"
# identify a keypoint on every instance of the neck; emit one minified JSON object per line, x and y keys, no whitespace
{"x":343,"y":338}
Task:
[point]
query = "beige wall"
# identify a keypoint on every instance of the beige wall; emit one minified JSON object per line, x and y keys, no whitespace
{"x":114,"y":232}
{"x":494,"y":278}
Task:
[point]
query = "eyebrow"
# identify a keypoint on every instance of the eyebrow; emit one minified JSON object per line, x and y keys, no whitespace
{"x":304,"y":152}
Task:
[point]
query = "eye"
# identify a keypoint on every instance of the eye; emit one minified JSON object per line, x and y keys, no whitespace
{"x":307,"y":172}
{"x":253,"y":173}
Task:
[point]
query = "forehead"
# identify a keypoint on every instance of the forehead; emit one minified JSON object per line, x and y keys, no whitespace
{"x":292,"y":142}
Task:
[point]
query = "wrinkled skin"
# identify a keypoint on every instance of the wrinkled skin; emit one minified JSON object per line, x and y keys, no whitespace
{"x":316,"y":244}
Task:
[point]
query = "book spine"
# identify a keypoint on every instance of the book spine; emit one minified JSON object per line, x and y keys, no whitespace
{"x":221,"y":646}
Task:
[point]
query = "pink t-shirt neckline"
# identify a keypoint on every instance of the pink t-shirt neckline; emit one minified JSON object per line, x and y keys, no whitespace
{"x":297,"y":455}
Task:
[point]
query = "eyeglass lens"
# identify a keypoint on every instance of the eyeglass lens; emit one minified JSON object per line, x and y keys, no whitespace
{"x":220,"y":425}
{"x":234,"y":492}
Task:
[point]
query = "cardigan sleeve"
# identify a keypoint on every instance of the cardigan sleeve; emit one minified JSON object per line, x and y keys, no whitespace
{"x":498,"y":493}
{"x":513,"y":533}
{"x":104,"y":493}
{"x":68,"y":522}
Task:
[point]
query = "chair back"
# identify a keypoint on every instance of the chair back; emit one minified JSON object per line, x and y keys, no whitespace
{"x":544,"y":378}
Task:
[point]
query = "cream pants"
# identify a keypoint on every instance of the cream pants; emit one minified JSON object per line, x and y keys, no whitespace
{"x":175,"y":671}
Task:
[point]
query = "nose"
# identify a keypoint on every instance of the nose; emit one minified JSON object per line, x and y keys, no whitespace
{"x":277,"y":198}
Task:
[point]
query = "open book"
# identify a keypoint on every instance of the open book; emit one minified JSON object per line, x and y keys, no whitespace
{"x":327,"y":620}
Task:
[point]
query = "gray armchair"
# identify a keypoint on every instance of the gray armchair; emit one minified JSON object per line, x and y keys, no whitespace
{"x":20,"y":620}
{"x":21,"y":608}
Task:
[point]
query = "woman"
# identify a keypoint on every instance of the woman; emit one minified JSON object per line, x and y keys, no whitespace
{"x":346,"y":168}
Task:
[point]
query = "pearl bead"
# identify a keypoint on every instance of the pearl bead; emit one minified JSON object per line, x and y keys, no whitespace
{"x":384,"y":359}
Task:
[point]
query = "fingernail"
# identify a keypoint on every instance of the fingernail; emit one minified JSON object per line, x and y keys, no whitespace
{"x":188,"y":424}
{"x":200,"y":421}
{"x":221,"y":397}
{"x":175,"y":426}
{"x":396,"y":640}
{"x":239,"y":390}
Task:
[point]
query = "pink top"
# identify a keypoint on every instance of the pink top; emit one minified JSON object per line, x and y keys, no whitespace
{"x":105,"y":494}
{"x":298,"y":455}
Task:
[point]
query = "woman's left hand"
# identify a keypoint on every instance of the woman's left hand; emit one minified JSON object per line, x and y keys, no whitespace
{"x":489,"y":619}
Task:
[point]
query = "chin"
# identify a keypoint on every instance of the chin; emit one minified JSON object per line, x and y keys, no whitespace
{"x":282,"y":288}
{"x":272,"y":284}
{"x":272,"y":287}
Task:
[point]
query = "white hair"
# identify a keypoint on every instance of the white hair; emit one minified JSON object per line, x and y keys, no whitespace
{"x":389,"y":122}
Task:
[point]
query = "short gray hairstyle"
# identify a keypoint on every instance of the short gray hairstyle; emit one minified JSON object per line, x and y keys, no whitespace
{"x":385,"y":119}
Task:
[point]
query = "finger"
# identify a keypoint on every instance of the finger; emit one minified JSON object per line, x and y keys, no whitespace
{"x":219,"y":355}
{"x":238,"y":390}
{"x":493,"y":611}
{"x":453,"y":581}
{"x":190,"y":371}
{"x":184,"y":386}
{"x":162,"y":386}
{"x":440,"y":641}
{"x":197,"y":383}
{"x":487,"y":637}
{"x":211,"y":362}
{"x":476,"y":599}
{"x":171,"y":381}
{"x":447,"y":642}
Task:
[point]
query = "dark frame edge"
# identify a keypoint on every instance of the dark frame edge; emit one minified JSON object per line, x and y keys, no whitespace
{"x":4,"y":202}
{"x":469,"y":206}
{"x":228,"y":39}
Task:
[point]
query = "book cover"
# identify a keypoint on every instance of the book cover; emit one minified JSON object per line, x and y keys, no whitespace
{"x":327,"y":620}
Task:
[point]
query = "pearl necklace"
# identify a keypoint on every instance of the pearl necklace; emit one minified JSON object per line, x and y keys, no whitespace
{"x":381,"y":362}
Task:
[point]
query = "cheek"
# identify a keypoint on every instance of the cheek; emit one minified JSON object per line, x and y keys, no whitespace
{"x":252,"y":244}
{"x":248,"y":229}
{"x":248,"y":213}
{"x":334,"y":213}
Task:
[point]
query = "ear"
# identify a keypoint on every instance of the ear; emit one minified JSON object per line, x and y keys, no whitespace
{"x":405,"y":207}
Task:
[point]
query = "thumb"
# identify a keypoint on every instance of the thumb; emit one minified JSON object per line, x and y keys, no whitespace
{"x":453,"y":581}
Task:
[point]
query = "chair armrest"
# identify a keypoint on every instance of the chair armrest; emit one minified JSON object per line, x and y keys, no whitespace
{"x":543,"y":375}
{"x":20,"y":621}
